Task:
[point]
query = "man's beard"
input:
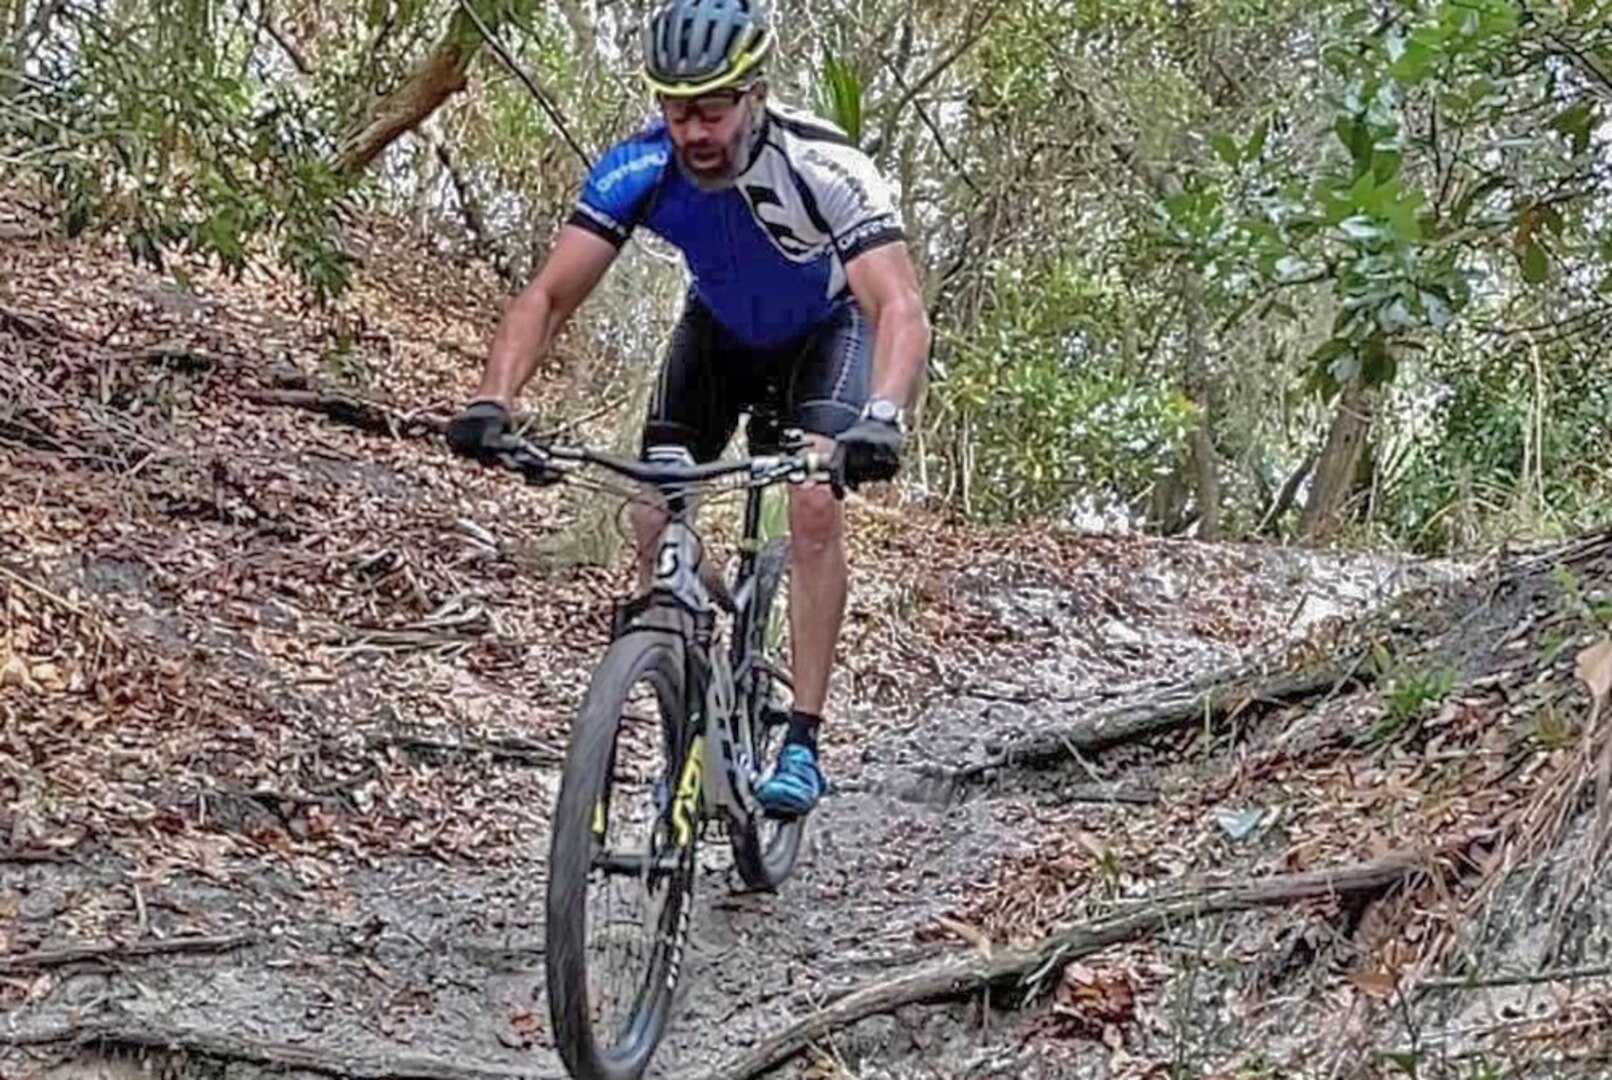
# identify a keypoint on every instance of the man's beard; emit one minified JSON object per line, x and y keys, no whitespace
{"x":736,"y":157}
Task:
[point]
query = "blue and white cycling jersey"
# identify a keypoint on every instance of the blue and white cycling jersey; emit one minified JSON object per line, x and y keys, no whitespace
{"x":768,"y":254}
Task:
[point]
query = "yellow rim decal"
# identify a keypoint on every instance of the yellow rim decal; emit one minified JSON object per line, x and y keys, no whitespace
{"x":687,"y":802}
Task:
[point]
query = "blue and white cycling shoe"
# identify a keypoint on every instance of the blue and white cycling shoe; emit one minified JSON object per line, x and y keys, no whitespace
{"x":796,"y":783}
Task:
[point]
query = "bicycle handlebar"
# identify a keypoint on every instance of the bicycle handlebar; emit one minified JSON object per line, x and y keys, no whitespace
{"x":538,"y":464}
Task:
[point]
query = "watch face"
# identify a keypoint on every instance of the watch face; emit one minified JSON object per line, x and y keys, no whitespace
{"x":883,"y":410}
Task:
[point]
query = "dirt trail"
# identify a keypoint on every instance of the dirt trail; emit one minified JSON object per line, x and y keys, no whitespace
{"x":243,"y":636}
{"x":407,"y":964}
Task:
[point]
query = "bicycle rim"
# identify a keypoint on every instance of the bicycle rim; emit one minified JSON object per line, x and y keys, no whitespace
{"x":621,"y":866}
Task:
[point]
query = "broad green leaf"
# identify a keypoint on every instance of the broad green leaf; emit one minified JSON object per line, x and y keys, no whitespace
{"x":1402,"y":216}
{"x":1256,"y":141}
{"x":1416,"y":62}
{"x":1576,"y":123}
{"x":1364,"y":192}
{"x":1355,"y":137}
{"x":1378,"y":365}
{"x":1385,"y":163}
{"x":1226,"y":149}
{"x":1535,"y":264}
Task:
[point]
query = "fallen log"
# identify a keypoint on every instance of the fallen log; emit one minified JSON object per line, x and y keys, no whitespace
{"x":1026,"y":971}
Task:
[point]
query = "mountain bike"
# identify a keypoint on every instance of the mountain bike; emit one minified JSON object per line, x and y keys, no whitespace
{"x":688,"y":724}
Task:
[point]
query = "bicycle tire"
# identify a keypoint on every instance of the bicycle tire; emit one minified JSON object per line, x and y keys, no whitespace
{"x":765,"y":861}
{"x":589,"y":768}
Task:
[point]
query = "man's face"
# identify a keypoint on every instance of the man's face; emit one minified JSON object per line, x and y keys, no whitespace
{"x":709,"y":131}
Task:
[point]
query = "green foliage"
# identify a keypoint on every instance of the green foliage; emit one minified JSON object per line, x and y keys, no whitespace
{"x":1051,"y":414}
{"x":1501,"y":432}
{"x":149,"y":127}
{"x":1408,"y":692}
{"x":1398,"y":244}
{"x":1552,"y":731}
{"x":840,"y":96}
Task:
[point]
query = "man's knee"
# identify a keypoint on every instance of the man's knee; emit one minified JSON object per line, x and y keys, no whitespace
{"x":816,"y":517}
{"x":648,"y":520}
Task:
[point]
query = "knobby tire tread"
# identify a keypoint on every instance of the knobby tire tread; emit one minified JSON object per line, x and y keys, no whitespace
{"x":588,"y":760}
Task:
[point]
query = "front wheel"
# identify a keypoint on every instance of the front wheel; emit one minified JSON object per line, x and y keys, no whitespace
{"x":765,"y":849}
{"x":621,"y":863}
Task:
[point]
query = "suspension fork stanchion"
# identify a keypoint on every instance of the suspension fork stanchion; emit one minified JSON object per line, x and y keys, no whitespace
{"x":749,"y":549}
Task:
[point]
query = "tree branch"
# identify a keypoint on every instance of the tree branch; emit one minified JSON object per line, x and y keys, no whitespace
{"x":265,"y":23}
{"x":516,"y":70}
{"x":1286,"y":496}
{"x":971,"y":36}
{"x":288,"y":46}
{"x":354,"y":411}
{"x":475,"y":221}
{"x":1219,"y":695}
{"x":1601,"y":81}
{"x":940,"y":140}
{"x":36,"y":29}
{"x":435,"y":79}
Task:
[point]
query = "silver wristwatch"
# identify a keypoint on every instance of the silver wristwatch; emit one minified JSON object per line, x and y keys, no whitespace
{"x":883,"y":410}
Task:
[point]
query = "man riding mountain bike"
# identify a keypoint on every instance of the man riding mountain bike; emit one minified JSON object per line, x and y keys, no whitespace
{"x":803,"y":301}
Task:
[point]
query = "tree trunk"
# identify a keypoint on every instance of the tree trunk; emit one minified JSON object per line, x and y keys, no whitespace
{"x":1335,"y":473}
{"x":1167,"y":505}
{"x":1206,"y":478}
{"x":1198,"y":381}
{"x":434,"y":81}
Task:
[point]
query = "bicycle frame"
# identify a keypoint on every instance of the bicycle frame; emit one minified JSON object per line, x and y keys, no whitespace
{"x":679,"y":601}
{"x":679,"y":594}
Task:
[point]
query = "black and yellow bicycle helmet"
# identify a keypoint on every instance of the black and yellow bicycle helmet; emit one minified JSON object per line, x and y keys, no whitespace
{"x":692,"y":47}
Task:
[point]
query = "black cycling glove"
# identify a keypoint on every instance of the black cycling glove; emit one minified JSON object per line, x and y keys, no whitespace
{"x":479,"y":430}
{"x":869,"y":451}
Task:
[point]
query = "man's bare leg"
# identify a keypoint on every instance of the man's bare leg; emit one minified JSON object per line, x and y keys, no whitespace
{"x":648,"y":519}
{"x":817,"y":586}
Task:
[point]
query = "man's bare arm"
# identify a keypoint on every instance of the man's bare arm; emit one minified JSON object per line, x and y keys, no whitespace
{"x":574,"y":266}
{"x":885,"y":284}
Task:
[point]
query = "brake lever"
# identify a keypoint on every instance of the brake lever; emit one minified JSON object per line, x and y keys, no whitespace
{"x":534,"y":463}
{"x":835,"y":467}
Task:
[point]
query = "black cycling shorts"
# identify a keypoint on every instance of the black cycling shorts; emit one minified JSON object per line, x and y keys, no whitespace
{"x":817,"y":383}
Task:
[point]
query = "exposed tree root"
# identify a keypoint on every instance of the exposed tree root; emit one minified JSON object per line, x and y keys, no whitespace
{"x":1197,"y":702}
{"x":73,"y":954}
{"x":143,"y":1035}
{"x":1025,"y":972}
{"x":513,"y":751}
{"x":355,"y":411}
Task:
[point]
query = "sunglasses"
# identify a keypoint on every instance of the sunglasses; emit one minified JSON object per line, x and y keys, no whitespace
{"x":710,"y":108}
